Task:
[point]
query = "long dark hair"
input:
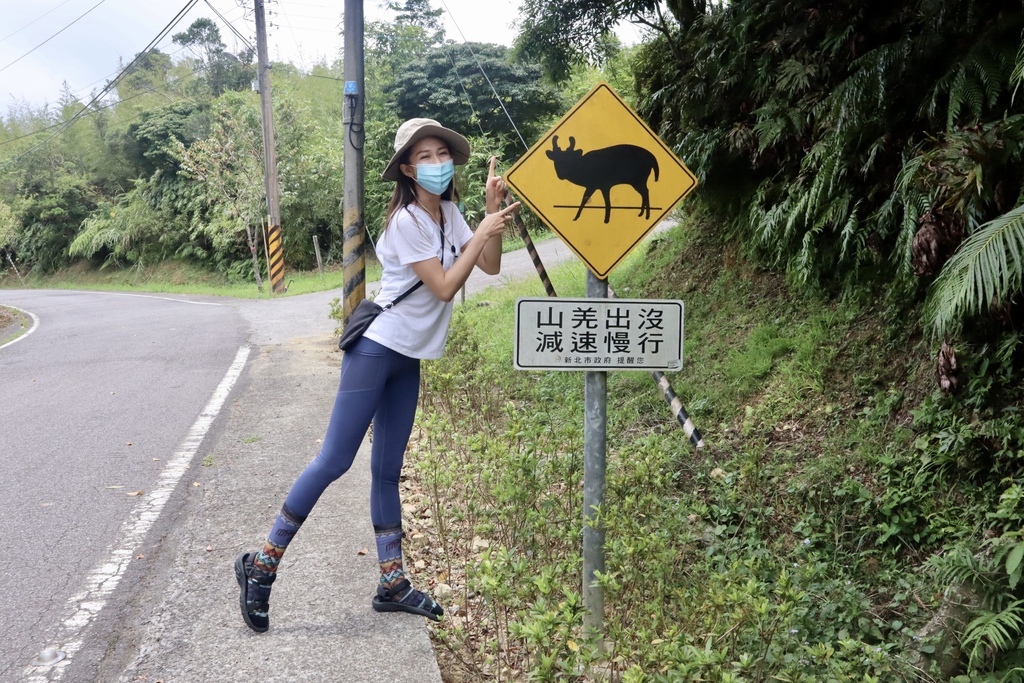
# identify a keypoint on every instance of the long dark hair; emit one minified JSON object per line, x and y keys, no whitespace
{"x":404,"y":193}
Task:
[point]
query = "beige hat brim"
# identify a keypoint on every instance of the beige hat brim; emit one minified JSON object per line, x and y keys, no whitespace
{"x":457,"y":145}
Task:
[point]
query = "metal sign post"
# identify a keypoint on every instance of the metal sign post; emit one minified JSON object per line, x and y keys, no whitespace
{"x":594,"y":464}
{"x":625,"y":180}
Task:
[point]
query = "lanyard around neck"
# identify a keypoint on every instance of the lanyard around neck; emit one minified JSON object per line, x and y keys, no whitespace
{"x":451,"y":244}
{"x":455,"y":255}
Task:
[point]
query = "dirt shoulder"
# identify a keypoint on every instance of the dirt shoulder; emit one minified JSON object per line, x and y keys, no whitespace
{"x":11,"y":323}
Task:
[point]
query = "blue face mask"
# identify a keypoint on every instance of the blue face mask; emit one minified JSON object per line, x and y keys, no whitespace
{"x":434,"y":178}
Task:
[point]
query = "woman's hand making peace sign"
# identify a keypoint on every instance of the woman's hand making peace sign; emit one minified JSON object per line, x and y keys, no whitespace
{"x":494,"y":222}
{"x":495,"y":189}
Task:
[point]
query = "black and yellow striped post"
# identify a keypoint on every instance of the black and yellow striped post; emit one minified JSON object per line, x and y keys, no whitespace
{"x":532,"y":251}
{"x":353,"y":261}
{"x":276,"y":259}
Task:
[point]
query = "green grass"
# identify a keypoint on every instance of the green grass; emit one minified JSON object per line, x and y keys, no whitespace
{"x":181,"y":278}
{"x":12,"y":325}
{"x":795,"y":546}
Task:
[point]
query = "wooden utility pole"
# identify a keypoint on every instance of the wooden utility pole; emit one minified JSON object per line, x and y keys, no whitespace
{"x":353,"y":249}
{"x":276,"y":248}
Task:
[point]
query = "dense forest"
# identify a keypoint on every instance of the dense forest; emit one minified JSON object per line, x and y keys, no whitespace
{"x":867,"y":153}
{"x":168,"y":165}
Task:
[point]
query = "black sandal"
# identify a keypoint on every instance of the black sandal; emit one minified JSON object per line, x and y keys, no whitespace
{"x":402,"y":597}
{"x":255,"y":609}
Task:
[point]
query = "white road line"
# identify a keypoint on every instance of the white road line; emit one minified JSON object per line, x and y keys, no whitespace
{"x":35,"y":324}
{"x":165,"y":298}
{"x":103,"y":579}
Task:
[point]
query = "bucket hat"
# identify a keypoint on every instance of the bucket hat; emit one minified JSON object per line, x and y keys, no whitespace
{"x":414,"y":130}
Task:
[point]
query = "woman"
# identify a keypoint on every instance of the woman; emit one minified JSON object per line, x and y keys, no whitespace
{"x":425,"y":240}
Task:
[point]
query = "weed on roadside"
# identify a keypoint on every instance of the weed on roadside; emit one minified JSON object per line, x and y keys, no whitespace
{"x":800,"y":545}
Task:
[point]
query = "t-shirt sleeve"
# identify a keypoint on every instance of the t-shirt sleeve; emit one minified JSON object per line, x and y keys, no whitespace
{"x":461,"y":231}
{"x":411,"y":240}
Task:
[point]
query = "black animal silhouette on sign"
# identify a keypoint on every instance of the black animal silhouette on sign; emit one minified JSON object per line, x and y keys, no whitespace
{"x":603,"y":169}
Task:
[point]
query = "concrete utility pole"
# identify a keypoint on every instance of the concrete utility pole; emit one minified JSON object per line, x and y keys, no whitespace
{"x":353,"y":249}
{"x":275,"y":248}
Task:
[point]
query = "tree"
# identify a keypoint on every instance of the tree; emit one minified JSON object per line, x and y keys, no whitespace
{"x":560,"y":35}
{"x":448,"y":83}
{"x":151,"y":143}
{"x":223,"y":70}
{"x":229,"y":166}
{"x":419,"y":14}
{"x":987,"y":271}
{"x":9,"y":226}
{"x":150,"y":72}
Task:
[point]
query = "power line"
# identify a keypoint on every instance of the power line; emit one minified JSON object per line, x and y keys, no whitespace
{"x":96,"y":109}
{"x":231,"y":26}
{"x":486,"y":77}
{"x":54,"y":35}
{"x":34,"y":20}
{"x":329,"y":78}
{"x":111,"y":75}
{"x":112,"y":84}
{"x":469,"y":100}
{"x":306,"y":4}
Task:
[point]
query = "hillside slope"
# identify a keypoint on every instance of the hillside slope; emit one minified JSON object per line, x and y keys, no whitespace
{"x":814,"y":539}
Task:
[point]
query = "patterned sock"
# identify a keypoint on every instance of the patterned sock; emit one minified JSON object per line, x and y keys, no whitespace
{"x":264,"y":564}
{"x":389,"y":554}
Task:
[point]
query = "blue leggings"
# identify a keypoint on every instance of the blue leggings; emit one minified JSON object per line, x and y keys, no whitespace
{"x":377,"y":384}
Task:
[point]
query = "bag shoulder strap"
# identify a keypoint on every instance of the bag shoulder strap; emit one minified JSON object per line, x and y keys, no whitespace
{"x":404,"y":294}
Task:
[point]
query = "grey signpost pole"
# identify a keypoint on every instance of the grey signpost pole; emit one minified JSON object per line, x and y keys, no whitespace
{"x":594,"y":457}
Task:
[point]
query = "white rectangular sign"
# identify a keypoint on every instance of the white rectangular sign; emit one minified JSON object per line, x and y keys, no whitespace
{"x":599,"y":334}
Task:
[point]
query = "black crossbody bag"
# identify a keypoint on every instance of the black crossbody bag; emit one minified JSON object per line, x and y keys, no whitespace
{"x":367,"y":311}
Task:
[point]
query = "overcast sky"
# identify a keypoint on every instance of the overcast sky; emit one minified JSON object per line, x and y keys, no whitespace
{"x":85,"y":53}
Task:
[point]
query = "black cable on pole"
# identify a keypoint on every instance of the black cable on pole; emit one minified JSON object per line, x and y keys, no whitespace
{"x":54,"y":35}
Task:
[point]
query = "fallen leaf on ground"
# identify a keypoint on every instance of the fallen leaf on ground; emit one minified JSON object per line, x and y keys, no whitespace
{"x":363,"y":551}
{"x":135,"y":493}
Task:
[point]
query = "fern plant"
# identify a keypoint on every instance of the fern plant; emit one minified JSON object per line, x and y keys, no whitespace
{"x":836,"y":127}
{"x":993,"y":632}
{"x":988,"y":268}
{"x":120,"y":232}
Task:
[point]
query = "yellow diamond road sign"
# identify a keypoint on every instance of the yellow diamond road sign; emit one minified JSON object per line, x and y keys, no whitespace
{"x":601,"y":179}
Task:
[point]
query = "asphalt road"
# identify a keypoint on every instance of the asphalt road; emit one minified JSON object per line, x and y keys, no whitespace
{"x":95,"y":405}
{"x":92,"y":404}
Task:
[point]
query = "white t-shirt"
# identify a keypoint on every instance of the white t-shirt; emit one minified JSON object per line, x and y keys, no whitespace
{"x":417,"y":326}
